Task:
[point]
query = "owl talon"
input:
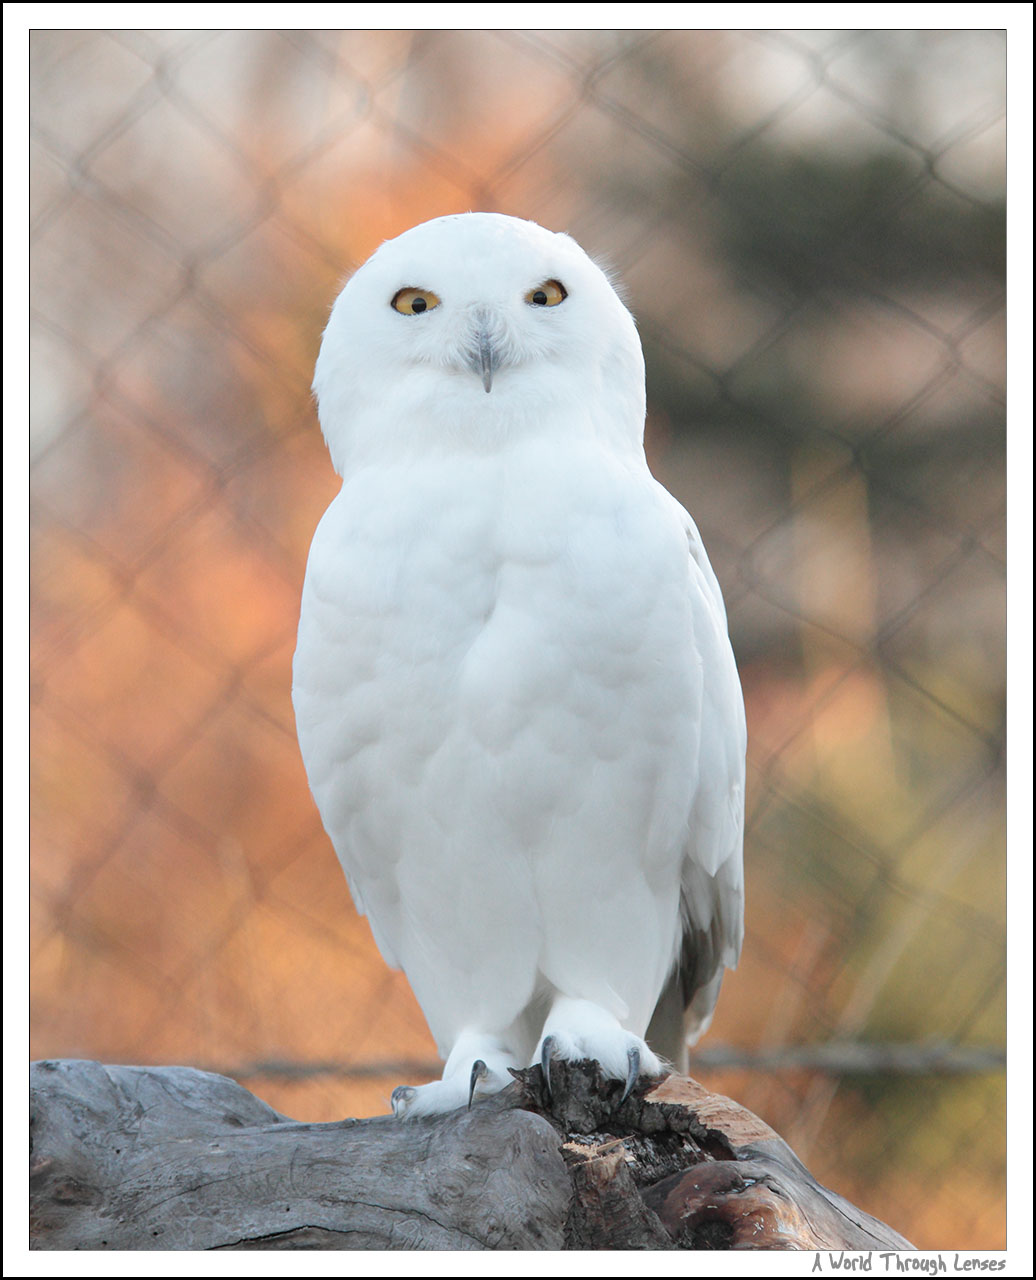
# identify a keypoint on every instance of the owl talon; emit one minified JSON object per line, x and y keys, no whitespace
{"x":546,"y":1053}
{"x":632,"y":1072}
{"x":402,"y":1096}
{"x":479,"y":1071}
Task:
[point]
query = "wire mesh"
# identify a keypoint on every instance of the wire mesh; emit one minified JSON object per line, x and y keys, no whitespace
{"x":810,"y":230}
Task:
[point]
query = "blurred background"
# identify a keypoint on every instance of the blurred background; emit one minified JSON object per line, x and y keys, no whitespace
{"x":810,"y":229}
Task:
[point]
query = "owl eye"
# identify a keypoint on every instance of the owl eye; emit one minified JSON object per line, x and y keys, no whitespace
{"x":548,"y":294}
{"x":412,"y":302}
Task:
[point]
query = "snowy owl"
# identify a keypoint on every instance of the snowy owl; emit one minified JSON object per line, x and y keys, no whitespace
{"x":516,"y":699}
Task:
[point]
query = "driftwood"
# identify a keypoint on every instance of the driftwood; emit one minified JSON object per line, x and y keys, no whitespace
{"x":173,"y":1158}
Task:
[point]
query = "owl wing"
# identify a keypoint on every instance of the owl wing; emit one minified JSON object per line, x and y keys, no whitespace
{"x":712,"y":876}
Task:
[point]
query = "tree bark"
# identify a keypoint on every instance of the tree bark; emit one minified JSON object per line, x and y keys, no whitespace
{"x":174,"y":1158}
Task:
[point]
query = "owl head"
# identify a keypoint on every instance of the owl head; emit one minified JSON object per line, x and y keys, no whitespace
{"x":472,"y":332}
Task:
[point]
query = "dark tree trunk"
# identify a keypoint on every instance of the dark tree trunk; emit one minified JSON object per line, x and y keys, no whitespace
{"x":173,"y":1158}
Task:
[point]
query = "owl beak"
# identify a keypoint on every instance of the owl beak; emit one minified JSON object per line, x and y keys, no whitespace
{"x":484,"y":358}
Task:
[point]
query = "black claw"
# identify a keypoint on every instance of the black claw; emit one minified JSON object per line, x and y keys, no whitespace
{"x":632,"y":1071}
{"x":546,"y":1053}
{"x":478,"y":1071}
{"x":400,"y":1094}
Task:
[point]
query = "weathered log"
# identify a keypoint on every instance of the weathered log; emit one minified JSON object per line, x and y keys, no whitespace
{"x":174,"y":1158}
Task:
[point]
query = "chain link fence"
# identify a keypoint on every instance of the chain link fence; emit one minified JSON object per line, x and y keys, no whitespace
{"x":810,"y":230}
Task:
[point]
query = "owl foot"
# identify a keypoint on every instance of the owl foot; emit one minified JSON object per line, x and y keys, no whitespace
{"x":579,"y":1029}
{"x":476,"y":1068}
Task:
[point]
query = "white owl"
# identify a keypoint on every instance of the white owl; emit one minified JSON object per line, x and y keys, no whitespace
{"x":516,"y":700}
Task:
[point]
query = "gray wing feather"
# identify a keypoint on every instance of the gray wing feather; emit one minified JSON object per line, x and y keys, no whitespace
{"x":712,"y":878}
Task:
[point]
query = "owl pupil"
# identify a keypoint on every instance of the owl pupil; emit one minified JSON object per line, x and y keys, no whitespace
{"x":418,"y":305}
{"x":540,"y":298}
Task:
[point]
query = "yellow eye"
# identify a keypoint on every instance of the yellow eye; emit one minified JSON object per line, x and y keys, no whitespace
{"x":412,"y":302}
{"x":548,"y":294}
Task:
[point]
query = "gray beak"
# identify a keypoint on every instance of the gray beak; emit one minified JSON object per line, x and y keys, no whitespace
{"x":484,"y":359}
